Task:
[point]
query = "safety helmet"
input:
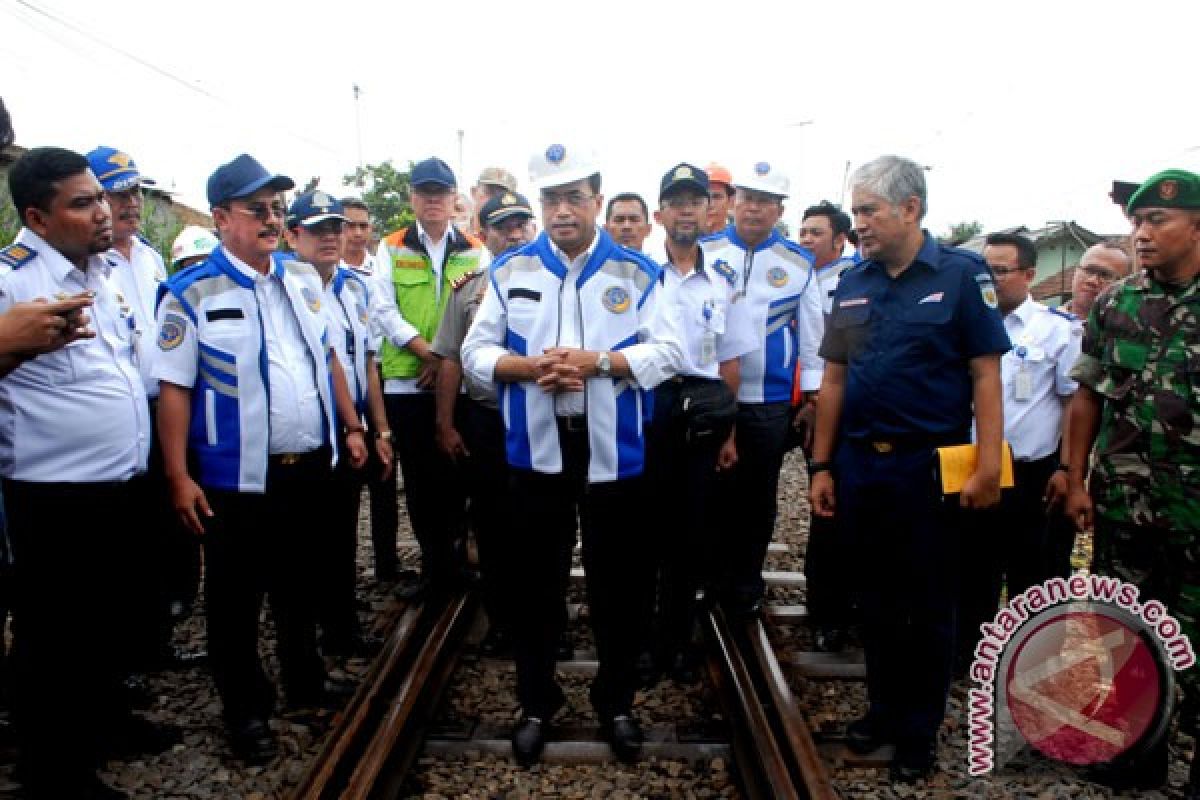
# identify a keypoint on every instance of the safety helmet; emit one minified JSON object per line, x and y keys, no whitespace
{"x":762,"y":176}
{"x":558,"y":164}
{"x":192,"y":241}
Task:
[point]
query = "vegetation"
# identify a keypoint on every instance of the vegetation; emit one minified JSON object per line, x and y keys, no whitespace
{"x":387,"y":193}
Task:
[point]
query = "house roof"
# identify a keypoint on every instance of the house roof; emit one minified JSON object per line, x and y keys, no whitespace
{"x":1046,"y":235}
{"x":1056,"y":286}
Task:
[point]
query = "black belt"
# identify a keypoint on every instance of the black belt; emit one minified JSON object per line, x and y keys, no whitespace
{"x":574,"y":424}
{"x":320,"y":455}
{"x":893,"y":444}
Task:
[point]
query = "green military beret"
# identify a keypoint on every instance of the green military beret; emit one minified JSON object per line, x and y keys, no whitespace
{"x":1171,"y":188}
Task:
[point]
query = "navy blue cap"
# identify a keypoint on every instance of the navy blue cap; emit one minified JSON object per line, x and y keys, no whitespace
{"x":243,"y":177}
{"x":432,"y":170}
{"x":503,"y":206}
{"x":683,"y":176}
{"x":115,"y":170}
{"x":313,"y":207}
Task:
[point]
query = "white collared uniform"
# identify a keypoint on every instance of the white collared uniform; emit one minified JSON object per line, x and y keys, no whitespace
{"x":347,"y":309}
{"x":255,"y":352}
{"x":531,"y":305}
{"x":705,"y":308}
{"x":1035,"y":378}
{"x":78,"y":414}
{"x":828,"y":277}
{"x":137,"y":282}
{"x":776,"y":279}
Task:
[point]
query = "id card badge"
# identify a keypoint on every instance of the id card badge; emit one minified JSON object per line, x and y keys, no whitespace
{"x":708,"y":348}
{"x":1023,"y":383}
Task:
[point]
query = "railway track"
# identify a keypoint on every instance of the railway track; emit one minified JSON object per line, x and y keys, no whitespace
{"x":378,"y":737}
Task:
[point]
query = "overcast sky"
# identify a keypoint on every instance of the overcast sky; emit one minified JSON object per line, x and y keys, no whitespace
{"x":1025,"y":111}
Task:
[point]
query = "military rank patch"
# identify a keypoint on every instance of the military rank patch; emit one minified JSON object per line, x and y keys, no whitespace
{"x":463,"y":280}
{"x":311,"y":298}
{"x":616,"y":299}
{"x":170,"y":333}
{"x":16,"y":255}
{"x":777,"y":276}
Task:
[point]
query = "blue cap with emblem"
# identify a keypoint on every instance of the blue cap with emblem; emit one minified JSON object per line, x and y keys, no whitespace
{"x":115,"y":170}
{"x":242,"y":177}
{"x":313,"y":207}
{"x":432,"y":172}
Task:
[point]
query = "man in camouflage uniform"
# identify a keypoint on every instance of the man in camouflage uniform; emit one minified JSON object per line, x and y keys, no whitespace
{"x":1139,"y":402}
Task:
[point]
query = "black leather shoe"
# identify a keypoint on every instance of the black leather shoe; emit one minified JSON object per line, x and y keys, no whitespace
{"x":412,"y":592}
{"x":330,"y":694}
{"x":865,"y":735}
{"x":528,"y":740}
{"x":363,"y":645}
{"x":496,"y":643}
{"x":913,"y":762}
{"x":253,"y":742}
{"x":136,"y":736}
{"x":624,"y":735}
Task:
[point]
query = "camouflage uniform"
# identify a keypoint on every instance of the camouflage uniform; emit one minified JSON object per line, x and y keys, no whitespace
{"x":1141,"y":354}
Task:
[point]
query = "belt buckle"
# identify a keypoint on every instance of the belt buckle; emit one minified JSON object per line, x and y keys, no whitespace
{"x":289,"y":459}
{"x":882,"y":447}
{"x":576,"y":424}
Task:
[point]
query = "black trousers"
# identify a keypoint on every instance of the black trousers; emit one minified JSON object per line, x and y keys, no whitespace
{"x":76,"y":589}
{"x":748,"y":493}
{"x":337,"y":585}
{"x":829,"y":574}
{"x":489,"y":511}
{"x":385,"y":516}
{"x":432,"y":486}
{"x":904,"y":533}
{"x":681,"y":484}
{"x":266,"y":544}
{"x":618,"y":577}
{"x":1004,"y":546}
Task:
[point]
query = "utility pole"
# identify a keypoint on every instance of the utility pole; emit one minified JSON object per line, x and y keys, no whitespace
{"x":358,"y":132}
{"x":461,"y":176}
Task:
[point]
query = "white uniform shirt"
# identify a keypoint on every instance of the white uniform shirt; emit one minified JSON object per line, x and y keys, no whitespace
{"x":828,"y":277}
{"x":704,"y":302}
{"x":570,"y":332}
{"x":78,"y":414}
{"x":296,"y":417}
{"x":342,"y":335}
{"x":1045,"y":349}
{"x":137,"y":283}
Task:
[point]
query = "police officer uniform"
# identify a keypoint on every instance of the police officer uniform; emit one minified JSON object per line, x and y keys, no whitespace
{"x":906,"y":343}
{"x":477,"y":416}
{"x":575,"y":452}
{"x":75,"y":589}
{"x":1011,"y":543}
{"x":681,"y":451}
{"x":775,"y":278}
{"x":253,"y":351}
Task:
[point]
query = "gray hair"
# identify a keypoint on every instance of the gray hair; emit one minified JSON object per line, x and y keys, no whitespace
{"x":893,"y":178}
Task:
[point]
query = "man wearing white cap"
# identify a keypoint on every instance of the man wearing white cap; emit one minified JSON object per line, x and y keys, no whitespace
{"x":776,"y":278}
{"x":191,"y":246}
{"x":569,"y":330}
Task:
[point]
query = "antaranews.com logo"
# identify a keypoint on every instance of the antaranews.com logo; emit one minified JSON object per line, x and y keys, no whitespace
{"x":1079,"y":669}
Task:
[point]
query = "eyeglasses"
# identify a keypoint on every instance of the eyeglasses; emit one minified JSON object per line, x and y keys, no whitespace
{"x":1099,"y":273}
{"x":573,"y":199}
{"x":1001,"y":272}
{"x":685,"y":201}
{"x":428,"y":192}
{"x":263,"y":211}
{"x":359,"y":226}
{"x":124,"y":197}
{"x":325,"y":226}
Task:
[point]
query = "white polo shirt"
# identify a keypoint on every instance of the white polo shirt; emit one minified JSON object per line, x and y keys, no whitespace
{"x":137,"y":282}
{"x":78,"y":414}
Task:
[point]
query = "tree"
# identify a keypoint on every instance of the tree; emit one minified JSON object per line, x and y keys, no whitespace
{"x":387,"y":193}
{"x":960,"y":232}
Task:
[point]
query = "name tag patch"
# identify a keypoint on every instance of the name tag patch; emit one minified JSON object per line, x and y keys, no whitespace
{"x":936,"y":297}
{"x":528,"y":294}
{"x":854,"y":301}
{"x":224,"y":313}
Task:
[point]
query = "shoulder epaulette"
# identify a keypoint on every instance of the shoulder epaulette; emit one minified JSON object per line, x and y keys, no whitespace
{"x":17,"y":255}
{"x":464,"y":279}
{"x":1058,"y":312}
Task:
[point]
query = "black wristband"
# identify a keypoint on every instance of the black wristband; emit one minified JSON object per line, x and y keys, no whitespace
{"x":819,"y":466}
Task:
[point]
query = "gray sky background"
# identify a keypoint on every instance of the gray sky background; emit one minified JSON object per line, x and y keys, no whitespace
{"x":1024,"y":110}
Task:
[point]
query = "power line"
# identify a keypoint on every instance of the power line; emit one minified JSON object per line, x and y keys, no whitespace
{"x":160,"y":71}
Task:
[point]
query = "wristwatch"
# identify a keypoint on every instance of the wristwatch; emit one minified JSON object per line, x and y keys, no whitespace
{"x":604,"y":365}
{"x":385,"y":435}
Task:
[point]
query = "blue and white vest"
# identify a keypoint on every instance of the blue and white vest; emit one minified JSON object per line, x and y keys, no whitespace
{"x":229,"y":432}
{"x":350,"y":330}
{"x":614,"y":287}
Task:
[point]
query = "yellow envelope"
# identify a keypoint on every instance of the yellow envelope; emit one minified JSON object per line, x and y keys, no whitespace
{"x":955,"y":464}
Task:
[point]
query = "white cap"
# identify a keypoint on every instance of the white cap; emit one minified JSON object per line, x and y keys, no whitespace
{"x":559,"y":164}
{"x":192,"y":241}
{"x":762,"y":177}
